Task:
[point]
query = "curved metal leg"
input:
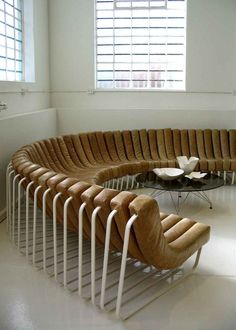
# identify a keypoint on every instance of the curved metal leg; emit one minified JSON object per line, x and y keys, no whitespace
{"x":80,"y":247}
{"x":65,"y":240}
{"x":122,"y":182}
{"x":123,"y":262}
{"x":225,"y":177}
{"x":233,"y":177}
{"x":117,"y":183}
{"x":30,"y":184}
{"x":44,"y":227}
{"x":19,"y":211}
{"x":9,"y":169}
{"x":132,"y":183}
{"x":34,"y":221}
{"x":127,"y":182}
{"x":9,"y":201}
{"x":55,"y":199}
{"x":14,"y":206}
{"x":93,"y":253}
{"x":106,"y":253}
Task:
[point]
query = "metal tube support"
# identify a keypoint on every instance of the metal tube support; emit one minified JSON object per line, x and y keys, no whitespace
{"x":65,"y":213}
{"x":106,"y":254}
{"x":55,"y":199}
{"x":93,"y":253}
{"x":117,"y":183}
{"x":127,"y":182}
{"x":7,"y":195}
{"x":34,"y":221}
{"x":10,"y":203}
{"x":9,"y":168}
{"x":225,"y":176}
{"x":27,"y":219}
{"x":14,"y":206}
{"x":122,"y":182}
{"x":80,"y":247}
{"x":132,"y":184}
{"x":44,"y":227}
{"x":197,"y":259}
{"x":19,"y":212}
{"x":123,"y":263}
{"x":233,"y":177}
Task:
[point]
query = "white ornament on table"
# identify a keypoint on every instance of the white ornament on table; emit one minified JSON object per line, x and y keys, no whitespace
{"x":195,"y":175}
{"x":168,"y":173}
{"x":188,"y":165}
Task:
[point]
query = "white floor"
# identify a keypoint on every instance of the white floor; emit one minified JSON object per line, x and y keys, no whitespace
{"x":29,"y":299}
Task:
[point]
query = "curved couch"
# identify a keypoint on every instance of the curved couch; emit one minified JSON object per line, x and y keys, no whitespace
{"x":76,"y":166}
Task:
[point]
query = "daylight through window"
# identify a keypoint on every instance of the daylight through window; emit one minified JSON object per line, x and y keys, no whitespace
{"x":11,"y":40}
{"x":140,"y":44}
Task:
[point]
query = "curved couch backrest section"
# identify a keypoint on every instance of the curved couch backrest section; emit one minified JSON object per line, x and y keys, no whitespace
{"x":100,"y":156}
{"x":76,"y":165}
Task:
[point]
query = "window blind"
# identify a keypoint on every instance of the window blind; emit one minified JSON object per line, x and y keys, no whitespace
{"x":140,"y":4}
{"x":140,"y":44}
{"x":11,"y":40}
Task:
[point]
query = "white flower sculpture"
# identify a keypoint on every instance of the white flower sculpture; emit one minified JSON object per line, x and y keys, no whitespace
{"x":168,"y":173}
{"x":188,"y":165}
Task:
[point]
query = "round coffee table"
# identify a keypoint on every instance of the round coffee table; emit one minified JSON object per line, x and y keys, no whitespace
{"x":181,"y":185}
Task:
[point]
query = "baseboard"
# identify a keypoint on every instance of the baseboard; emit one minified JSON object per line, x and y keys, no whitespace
{"x":2,"y":214}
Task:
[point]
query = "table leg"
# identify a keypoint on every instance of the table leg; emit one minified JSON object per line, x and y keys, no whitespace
{"x":203,"y":196}
{"x":156,"y":193}
{"x":179,"y":204}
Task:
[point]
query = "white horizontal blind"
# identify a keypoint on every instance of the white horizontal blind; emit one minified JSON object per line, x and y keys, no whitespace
{"x":140,"y":44}
{"x":11,"y":40}
{"x":140,"y":4}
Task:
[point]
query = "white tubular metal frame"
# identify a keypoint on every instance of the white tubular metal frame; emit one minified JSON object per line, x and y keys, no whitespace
{"x":54,"y":203}
{"x":80,"y":247}
{"x":30,"y":184}
{"x":110,"y":279}
{"x":19,"y":211}
{"x":93,"y":251}
{"x":17,"y":176}
{"x":44,"y":227}
{"x":8,"y":187}
{"x":233,"y":177}
{"x":35,"y":222}
{"x":9,"y":202}
{"x":106,"y":255}
{"x":125,"y":182}
{"x":123,"y":262}
{"x":65,"y":211}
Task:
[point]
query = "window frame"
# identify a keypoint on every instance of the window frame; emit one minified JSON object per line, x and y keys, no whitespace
{"x":28,"y":54}
{"x":15,"y":40}
{"x":145,"y":89}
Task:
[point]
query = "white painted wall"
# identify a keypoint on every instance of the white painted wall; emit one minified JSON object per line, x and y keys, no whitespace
{"x":20,"y":130}
{"x":210,"y":45}
{"x":25,"y":120}
{"x":234,"y":56}
{"x":211,"y":70}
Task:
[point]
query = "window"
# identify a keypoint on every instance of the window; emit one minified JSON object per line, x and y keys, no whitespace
{"x":11,"y":40}
{"x":140,"y":44}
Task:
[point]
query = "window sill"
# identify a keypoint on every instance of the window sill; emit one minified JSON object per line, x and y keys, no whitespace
{"x":159,"y":90}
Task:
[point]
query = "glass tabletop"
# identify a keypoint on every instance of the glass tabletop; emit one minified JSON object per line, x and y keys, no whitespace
{"x":183,"y":184}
